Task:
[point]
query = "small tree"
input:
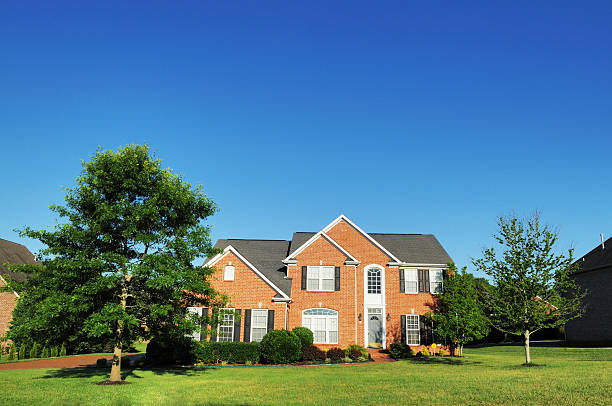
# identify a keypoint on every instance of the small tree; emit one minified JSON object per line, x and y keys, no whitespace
{"x":458,"y":315}
{"x":22,"y":352}
{"x":532,"y":284}
{"x":34,"y":350}
{"x":63,"y":351}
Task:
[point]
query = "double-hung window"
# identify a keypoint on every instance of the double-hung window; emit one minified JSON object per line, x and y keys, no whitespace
{"x":411,"y":280}
{"x":436,"y":277}
{"x":225,"y":331}
{"x":413,"y":336}
{"x":323,"y":323}
{"x":320,"y":278}
{"x":259,"y":324}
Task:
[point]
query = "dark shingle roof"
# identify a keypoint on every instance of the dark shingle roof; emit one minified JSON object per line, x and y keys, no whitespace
{"x":13,"y":253}
{"x":414,"y":248}
{"x":597,"y":258}
{"x":266,"y":256}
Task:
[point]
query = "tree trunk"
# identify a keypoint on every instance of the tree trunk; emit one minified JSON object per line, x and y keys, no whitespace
{"x":115,"y":375}
{"x":527,"y":353}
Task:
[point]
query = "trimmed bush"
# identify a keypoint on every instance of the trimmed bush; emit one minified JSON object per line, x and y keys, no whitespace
{"x":400,"y":351}
{"x":101,"y":363}
{"x":305,"y":335}
{"x":442,"y":352}
{"x":336,"y":354}
{"x":44,"y":353}
{"x":165,"y":350}
{"x":230,"y":352}
{"x":281,"y":347}
{"x":34,"y":351}
{"x":313,"y":353}
{"x":63,"y":350}
{"x":53,"y":352}
{"x":11,"y":354}
{"x":354,"y":349}
{"x":425,"y":352}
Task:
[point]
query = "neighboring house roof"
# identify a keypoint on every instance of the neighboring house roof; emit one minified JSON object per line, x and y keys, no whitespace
{"x":13,"y":253}
{"x":597,"y":258}
{"x":409,"y":248}
{"x":266,"y":256}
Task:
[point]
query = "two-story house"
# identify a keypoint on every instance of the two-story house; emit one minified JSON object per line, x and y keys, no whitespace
{"x":346,"y":285}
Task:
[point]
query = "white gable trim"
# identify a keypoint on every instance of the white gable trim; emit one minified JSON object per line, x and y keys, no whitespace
{"x":366,"y":235}
{"x":233,"y":250}
{"x":312,"y":239}
{"x":6,"y":283}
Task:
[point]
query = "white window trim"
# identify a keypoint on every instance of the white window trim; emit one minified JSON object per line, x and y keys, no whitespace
{"x":431,"y":281}
{"x":418,"y":329}
{"x":327,"y":331}
{"x":321,"y":278}
{"x":229,"y":269}
{"x":229,"y":310}
{"x":196,"y":334}
{"x":416,"y":280}
{"x":253,"y":324}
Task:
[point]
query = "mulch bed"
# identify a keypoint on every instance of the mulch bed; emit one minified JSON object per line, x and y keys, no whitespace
{"x":112,"y":383}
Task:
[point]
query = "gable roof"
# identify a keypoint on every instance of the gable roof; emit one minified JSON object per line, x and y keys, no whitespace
{"x":408,"y":248}
{"x":13,"y":253}
{"x":266,"y":256}
{"x":597,"y":258}
{"x":312,"y":238}
{"x":338,"y":219}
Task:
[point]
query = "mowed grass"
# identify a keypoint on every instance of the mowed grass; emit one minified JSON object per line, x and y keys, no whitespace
{"x":485,"y":376}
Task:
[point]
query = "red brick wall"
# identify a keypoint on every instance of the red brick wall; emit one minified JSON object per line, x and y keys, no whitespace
{"x":247,"y":290}
{"x":8,"y":300}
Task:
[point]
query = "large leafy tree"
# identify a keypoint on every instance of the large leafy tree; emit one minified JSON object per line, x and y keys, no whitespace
{"x":458,"y":316}
{"x":121,"y":264}
{"x":532,"y":284}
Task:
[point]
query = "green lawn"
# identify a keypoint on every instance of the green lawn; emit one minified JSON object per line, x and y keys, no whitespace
{"x":490,"y":376}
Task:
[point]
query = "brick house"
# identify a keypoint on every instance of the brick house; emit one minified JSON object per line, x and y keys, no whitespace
{"x":11,"y":253}
{"x":346,"y":285}
{"x":594,"y":275}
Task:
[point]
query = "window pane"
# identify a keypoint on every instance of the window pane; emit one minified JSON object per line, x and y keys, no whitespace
{"x":333,"y":337}
{"x":328,"y":284}
{"x":258,"y":334}
{"x":436,"y":287}
{"x":328,"y":272}
{"x":312,"y":284}
{"x":411,"y":287}
{"x":313,"y":272}
{"x":319,"y":337}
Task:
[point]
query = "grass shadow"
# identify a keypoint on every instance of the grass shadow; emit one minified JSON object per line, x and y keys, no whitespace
{"x":128,"y":373}
{"x":442,"y":361}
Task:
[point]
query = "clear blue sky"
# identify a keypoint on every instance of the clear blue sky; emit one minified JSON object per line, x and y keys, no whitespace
{"x":408,"y":117}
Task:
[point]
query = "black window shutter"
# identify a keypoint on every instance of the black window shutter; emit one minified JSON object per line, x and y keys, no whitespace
{"x":426,"y":277}
{"x":204,"y":324}
{"x":421,"y":282}
{"x":237,"y":325}
{"x":270,"y":320}
{"x":403,"y":328}
{"x":304,"y":276}
{"x":423,"y":331}
{"x":402,"y":283}
{"x":215,"y":325}
{"x":247,"y":325}
{"x":337,"y":278}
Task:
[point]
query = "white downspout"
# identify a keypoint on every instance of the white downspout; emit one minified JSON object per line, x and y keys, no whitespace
{"x":285,"y":315}
{"x":355,"y":280}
